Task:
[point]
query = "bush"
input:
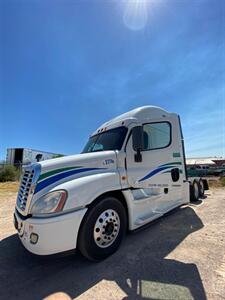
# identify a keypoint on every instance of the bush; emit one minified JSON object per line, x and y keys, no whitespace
{"x":9,"y":173}
{"x":217,"y":183}
{"x":222,"y":180}
{"x":57,"y":155}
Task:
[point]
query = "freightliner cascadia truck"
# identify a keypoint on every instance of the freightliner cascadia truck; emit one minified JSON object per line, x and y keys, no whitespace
{"x":131,"y":172}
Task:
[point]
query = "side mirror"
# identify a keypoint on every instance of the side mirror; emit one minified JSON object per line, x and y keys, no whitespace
{"x":138,"y":142}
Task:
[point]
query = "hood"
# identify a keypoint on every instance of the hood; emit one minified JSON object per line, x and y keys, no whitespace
{"x":59,"y":170}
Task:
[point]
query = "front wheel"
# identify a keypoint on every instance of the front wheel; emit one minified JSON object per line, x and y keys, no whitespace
{"x":102,"y":229}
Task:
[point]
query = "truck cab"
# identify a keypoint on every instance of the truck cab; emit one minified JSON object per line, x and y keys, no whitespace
{"x":131,"y":171}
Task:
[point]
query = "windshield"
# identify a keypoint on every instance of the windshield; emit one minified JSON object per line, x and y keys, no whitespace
{"x":106,"y":140}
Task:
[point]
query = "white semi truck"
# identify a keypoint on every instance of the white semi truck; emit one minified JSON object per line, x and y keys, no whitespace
{"x":131,"y":171}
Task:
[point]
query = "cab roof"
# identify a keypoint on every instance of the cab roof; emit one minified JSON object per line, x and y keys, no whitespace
{"x":137,"y":115}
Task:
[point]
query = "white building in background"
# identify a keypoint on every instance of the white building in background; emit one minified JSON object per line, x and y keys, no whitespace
{"x":205,"y":161}
{"x":24,"y":156}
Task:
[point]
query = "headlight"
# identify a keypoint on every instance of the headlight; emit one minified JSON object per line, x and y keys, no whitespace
{"x":50,"y":203}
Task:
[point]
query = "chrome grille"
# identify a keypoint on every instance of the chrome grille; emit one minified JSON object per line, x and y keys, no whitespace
{"x":25,"y":189}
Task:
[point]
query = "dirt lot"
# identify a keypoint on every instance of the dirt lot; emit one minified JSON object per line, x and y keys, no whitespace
{"x":181,"y":256}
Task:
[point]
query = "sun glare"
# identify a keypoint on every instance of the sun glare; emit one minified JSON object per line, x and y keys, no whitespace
{"x":136,"y":14}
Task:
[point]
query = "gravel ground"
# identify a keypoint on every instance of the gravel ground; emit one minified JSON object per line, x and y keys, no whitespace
{"x":180,"y":256}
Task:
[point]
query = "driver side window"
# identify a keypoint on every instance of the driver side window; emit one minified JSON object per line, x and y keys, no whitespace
{"x":157,"y":135}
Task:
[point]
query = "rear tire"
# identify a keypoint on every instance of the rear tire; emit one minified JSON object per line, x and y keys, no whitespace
{"x":102,"y":229}
{"x":194,"y":191}
{"x":201,"y":188}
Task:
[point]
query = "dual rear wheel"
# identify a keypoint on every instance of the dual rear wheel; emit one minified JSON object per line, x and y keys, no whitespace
{"x":197,"y":190}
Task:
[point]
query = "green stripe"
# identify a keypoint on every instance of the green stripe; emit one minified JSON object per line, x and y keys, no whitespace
{"x":173,"y":163}
{"x":56,"y":171}
{"x":170,"y":171}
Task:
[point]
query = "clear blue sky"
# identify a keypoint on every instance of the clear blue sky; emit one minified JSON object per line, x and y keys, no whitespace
{"x":68,"y":66}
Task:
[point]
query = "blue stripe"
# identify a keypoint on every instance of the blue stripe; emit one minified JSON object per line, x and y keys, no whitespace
{"x":60,"y":176}
{"x":155,"y":171}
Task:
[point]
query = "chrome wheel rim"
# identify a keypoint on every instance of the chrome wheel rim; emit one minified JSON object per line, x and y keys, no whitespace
{"x":106,"y":228}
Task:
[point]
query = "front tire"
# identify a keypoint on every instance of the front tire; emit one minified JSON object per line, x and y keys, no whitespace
{"x":102,"y":229}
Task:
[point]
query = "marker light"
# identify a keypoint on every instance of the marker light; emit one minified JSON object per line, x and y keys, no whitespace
{"x":33,"y":238}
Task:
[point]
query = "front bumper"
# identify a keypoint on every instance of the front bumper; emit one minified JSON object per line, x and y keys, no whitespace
{"x":55,"y":234}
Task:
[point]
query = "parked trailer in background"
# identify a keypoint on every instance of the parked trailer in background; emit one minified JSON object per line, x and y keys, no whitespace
{"x":25,"y":156}
{"x":131,"y":171}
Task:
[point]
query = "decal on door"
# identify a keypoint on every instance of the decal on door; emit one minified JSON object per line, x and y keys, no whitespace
{"x":160,"y":168}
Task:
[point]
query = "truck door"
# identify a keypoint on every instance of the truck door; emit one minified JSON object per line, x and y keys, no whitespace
{"x":157,"y":179}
